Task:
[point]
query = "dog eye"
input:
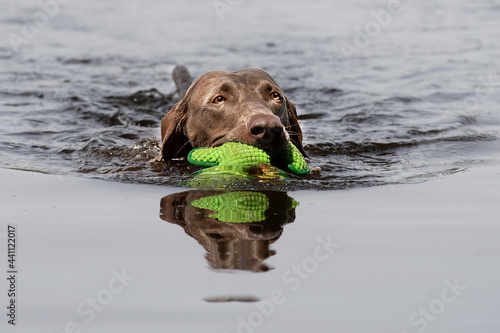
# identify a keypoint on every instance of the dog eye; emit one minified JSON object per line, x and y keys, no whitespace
{"x":219,"y":99}
{"x":276,"y":96}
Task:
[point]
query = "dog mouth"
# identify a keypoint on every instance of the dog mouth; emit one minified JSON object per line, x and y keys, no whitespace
{"x":275,"y":143}
{"x":219,"y":141}
{"x":274,"y":146}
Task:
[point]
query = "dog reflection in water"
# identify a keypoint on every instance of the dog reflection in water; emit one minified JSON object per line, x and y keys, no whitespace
{"x":236,"y":228}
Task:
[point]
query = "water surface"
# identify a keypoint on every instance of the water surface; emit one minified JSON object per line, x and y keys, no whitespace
{"x":83,"y":98}
{"x":418,"y":99}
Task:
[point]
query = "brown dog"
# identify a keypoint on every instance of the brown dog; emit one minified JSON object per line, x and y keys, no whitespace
{"x":244,"y":106}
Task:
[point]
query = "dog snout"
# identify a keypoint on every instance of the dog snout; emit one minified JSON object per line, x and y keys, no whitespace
{"x":267,"y":130}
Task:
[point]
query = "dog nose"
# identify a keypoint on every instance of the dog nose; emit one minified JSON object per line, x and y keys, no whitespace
{"x":265,"y":128}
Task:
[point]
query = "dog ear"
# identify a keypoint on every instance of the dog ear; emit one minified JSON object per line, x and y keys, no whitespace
{"x":172,"y":208}
{"x":294,"y":129}
{"x":175,"y":208}
{"x":174,"y":142}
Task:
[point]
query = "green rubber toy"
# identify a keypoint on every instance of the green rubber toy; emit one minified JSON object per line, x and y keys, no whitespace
{"x":240,"y":154}
{"x":238,"y":207}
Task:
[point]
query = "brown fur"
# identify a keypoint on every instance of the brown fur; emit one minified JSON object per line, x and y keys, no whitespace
{"x":249,"y":114}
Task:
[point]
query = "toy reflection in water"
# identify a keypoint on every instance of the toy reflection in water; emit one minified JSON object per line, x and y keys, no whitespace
{"x":235,"y":227}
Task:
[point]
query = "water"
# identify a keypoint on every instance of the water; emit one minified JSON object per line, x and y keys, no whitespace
{"x":391,"y":251}
{"x":418,"y":99}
